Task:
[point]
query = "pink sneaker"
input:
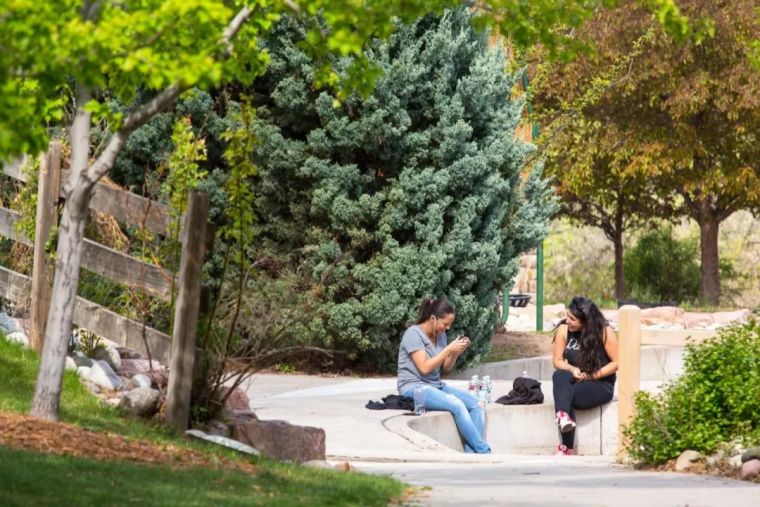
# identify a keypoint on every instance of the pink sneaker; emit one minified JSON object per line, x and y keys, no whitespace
{"x":565,"y":422}
{"x":563,"y":450}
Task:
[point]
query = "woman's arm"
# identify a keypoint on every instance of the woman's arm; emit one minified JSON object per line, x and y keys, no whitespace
{"x":611,"y":348}
{"x":558,"y":353}
{"x":425,"y":364}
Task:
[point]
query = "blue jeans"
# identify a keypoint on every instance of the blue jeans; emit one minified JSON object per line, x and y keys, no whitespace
{"x":468,"y":416}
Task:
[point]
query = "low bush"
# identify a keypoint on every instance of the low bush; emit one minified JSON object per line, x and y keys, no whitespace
{"x":717,"y":399}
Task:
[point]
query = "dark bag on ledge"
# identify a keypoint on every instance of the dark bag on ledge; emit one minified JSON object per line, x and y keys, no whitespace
{"x":525,"y":391}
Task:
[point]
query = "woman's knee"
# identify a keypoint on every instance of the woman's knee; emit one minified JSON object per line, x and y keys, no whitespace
{"x":562,"y":376}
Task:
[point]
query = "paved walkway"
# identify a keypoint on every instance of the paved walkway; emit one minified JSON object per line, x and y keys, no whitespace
{"x":381,"y":442}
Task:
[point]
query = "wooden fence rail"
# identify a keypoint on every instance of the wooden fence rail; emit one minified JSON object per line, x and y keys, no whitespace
{"x":119,"y":267}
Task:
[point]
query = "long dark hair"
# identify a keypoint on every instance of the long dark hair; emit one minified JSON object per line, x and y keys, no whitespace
{"x":593,"y":333}
{"x":434,"y":308}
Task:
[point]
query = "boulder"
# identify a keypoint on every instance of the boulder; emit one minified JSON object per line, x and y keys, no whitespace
{"x":102,"y":375}
{"x":662,"y":315}
{"x":750,"y":469}
{"x":70,"y":364}
{"x":131,"y":367}
{"x":81,"y":360}
{"x":141,"y":402}
{"x":9,"y":325}
{"x":140,"y":380}
{"x":750,"y":454}
{"x":109,"y":355}
{"x":692,"y":320}
{"x":238,"y":401}
{"x":730,"y":317}
{"x":281,"y":440}
{"x":685,"y":460}
{"x":18,"y":337}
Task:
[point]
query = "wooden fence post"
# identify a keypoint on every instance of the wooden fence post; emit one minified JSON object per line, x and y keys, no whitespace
{"x":186,"y":311}
{"x":43,"y":269}
{"x":629,"y":370}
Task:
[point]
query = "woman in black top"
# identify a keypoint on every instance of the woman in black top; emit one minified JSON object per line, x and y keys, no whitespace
{"x":585,"y":356}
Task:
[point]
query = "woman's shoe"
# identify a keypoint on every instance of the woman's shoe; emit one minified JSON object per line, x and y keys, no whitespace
{"x":563,"y":450}
{"x":565,"y":422}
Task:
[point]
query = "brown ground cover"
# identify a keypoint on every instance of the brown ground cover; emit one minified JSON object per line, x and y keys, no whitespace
{"x":22,"y":431}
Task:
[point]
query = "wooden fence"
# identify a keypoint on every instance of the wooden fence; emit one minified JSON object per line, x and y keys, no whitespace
{"x":631,"y":338}
{"x":134,"y":210}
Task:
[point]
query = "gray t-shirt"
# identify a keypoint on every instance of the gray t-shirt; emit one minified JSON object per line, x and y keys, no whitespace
{"x":408,"y":376}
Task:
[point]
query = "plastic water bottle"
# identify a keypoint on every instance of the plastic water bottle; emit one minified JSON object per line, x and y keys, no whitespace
{"x":489,"y":387}
{"x":483,"y":395}
{"x":474,"y":385}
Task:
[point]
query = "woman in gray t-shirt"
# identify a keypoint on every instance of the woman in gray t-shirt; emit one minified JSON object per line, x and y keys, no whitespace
{"x":423,"y":352}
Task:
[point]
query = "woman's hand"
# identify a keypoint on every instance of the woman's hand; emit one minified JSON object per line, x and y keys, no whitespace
{"x":578,"y":374}
{"x":458,"y":346}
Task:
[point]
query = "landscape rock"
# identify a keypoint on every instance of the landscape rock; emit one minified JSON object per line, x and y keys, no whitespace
{"x":18,"y":337}
{"x":81,"y":360}
{"x":750,"y":469}
{"x":750,"y":454}
{"x":101,"y":374}
{"x":281,"y":440}
{"x":238,"y":401}
{"x":155,"y":370}
{"x":685,"y":460}
{"x":141,"y":402}
{"x":224,"y":441}
{"x":735,"y":461}
{"x":83,"y":372}
{"x":140,"y":380}
{"x":661,"y":315}
{"x":109,"y":355}
{"x":317,"y":463}
{"x":70,"y":364}
{"x":9,"y":325}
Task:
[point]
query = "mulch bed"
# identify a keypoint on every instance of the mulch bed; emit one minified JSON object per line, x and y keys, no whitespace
{"x":22,"y":431}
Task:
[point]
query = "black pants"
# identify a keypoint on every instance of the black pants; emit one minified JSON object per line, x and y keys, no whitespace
{"x":569,"y":395}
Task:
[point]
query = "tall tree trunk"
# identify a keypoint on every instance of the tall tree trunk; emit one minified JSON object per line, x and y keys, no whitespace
{"x":709,"y":224}
{"x":619,"y":275}
{"x":617,"y":240}
{"x":47,"y":392}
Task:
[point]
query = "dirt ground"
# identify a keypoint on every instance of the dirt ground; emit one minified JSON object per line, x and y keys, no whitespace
{"x":517,"y":344}
{"x":22,"y":431}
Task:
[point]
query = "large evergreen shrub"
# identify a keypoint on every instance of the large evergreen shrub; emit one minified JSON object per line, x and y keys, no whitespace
{"x":413,"y":191}
{"x":717,"y":399}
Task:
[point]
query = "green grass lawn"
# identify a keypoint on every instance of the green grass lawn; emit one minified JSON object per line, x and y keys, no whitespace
{"x":32,"y":478}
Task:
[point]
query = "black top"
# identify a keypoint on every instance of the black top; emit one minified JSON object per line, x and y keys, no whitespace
{"x":572,"y":354}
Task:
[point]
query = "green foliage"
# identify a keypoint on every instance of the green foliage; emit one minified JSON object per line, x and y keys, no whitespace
{"x":412,"y":191}
{"x":662,"y":267}
{"x":88,"y":343}
{"x":25,"y":201}
{"x":183,"y":170}
{"x":717,"y":399}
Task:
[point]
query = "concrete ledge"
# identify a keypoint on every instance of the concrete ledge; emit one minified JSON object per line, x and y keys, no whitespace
{"x":518,"y":429}
{"x":657,"y":363}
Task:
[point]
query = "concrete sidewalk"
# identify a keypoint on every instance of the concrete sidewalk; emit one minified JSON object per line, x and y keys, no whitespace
{"x":380,"y":441}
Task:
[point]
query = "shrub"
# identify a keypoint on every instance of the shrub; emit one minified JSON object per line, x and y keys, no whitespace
{"x":717,"y":399}
{"x":414,"y":191}
{"x":662,"y":267}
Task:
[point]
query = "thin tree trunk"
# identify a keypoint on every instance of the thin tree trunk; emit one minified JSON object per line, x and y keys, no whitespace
{"x":47,"y":392}
{"x":617,"y":240}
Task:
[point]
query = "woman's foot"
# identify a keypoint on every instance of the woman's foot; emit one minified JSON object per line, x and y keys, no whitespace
{"x":563,"y":450}
{"x":565,"y":422}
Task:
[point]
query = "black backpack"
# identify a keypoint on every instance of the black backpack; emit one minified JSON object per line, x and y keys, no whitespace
{"x":525,"y":391}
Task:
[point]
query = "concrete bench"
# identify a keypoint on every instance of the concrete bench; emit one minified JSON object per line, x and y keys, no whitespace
{"x":527,"y":429}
